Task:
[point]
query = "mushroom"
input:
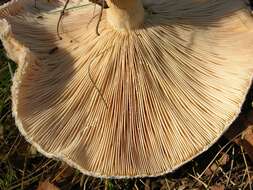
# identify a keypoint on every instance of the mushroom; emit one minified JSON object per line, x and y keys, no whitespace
{"x":156,"y":88}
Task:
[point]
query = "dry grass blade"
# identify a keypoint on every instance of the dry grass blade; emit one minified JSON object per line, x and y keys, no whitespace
{"x":24,"y":171}
{"x":199,"y":180}
{"x":249,"y":181}
{"x":85,"y":183}
{"x":231,"y":166}
{"x":221,"y":150}
{"x":14,"y":146}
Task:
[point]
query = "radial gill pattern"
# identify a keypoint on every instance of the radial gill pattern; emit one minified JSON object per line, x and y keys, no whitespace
{"x":128,"y":104}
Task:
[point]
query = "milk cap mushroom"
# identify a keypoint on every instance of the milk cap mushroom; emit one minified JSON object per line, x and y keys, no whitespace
{"x":157,"y":87}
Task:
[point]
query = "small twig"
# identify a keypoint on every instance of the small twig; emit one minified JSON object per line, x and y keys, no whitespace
{"x":93,"y":17}
{"x":106,"y":184}
{"x":219,"y":168}
{"x":146,"y":186}
{"x":218,"y":154}
{"x":81,"y":181}
{"x":100,"y":18}
{"x":231,"y":166}
{"x":85,"y":183}
{"x":135,"y":186}
{"x":94,"y":84}
{"x":23,"y":172}
{"x":59,"y":174}
{"x":5,"y":115}
{"x":198,"y":180}
{"x":247,"y":169}
{"x":30,"y":180}
{"x":33,"y":173}
{"x":167,"y":184}
{"x":60,"y":18}
{"x":13,"y":146}
{"x":194,"y":172}
{"x":224,"y":173}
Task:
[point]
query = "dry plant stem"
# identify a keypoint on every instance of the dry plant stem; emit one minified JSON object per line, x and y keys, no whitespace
{"x":232,"y":166}
{"x":198,"y":180}
{"x":85,"y":183}
{"x":100,"y":17}
{"x":24,"y":170}
{"x":226,"y":145}
{"x":60,"y":18}
{"x":30,"y":180}
{"x":58,"y":34}
{"x":38,"y":170}
{"x":81,"y":181}
{"x":218,"y":168}
{"x":136,"y":187}
{"x":31,"y":177}
{"x":167,"y":184}
{"x":59,"y":174}
{"x":247,"y":169}
{"x":74,"y":180}
{"x":13,"y":146}
{"x":225,"y":174}
{"x":96,"y":87}
{"x":145,"y":185}
{"x":4,"y":116}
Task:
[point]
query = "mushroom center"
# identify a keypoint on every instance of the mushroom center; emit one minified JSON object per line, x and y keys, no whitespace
{"x":125,"y":15}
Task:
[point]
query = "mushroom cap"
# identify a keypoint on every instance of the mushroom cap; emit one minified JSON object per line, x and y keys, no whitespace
{"x":128,"y":104}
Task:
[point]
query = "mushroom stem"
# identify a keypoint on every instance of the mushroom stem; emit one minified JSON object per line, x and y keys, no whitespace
{"x":125,"y":15}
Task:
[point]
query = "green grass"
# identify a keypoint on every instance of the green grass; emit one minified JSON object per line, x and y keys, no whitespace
{"x":23,"y":168}
{"x":7,"y":172}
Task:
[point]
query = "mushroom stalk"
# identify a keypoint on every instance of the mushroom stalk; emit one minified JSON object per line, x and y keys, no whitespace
{"x":125,"y":15}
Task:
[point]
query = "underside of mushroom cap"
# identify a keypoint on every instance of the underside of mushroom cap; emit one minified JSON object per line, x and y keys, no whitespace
{"x":128,"y":104}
